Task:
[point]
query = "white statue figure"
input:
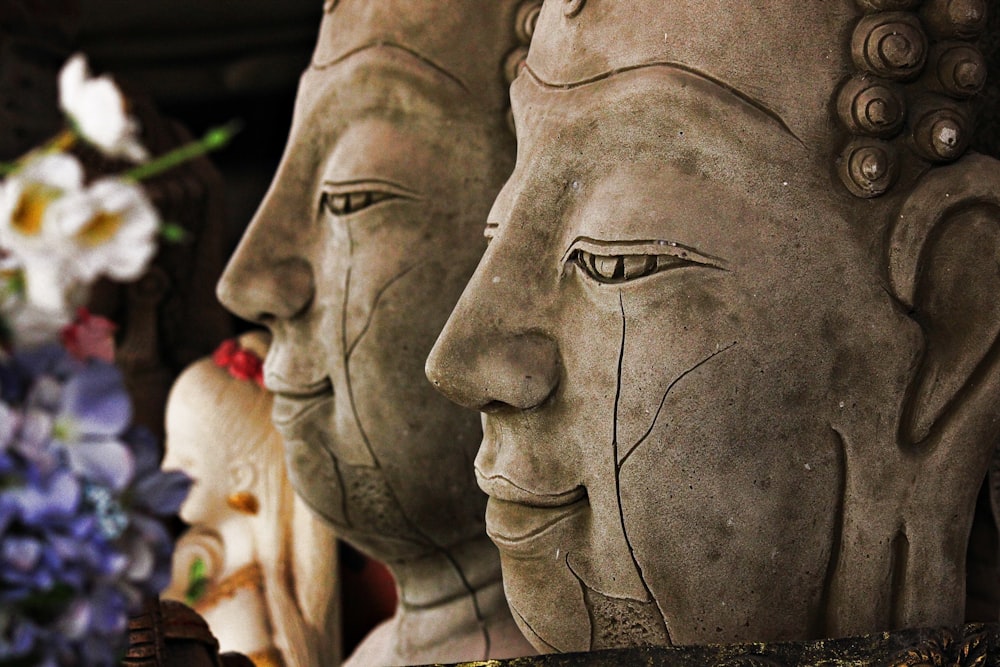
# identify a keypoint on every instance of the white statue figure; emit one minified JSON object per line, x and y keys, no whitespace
{"x":237,"y":566}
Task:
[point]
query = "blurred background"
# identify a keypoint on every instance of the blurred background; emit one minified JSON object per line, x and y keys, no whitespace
{"x":186,"y":66}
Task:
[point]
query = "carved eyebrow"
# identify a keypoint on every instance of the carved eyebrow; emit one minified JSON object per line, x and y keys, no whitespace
{"x":742,"y":96}
{"x":424,"y":63}
{"x":387,"y":185}
{"x":613,"y":245}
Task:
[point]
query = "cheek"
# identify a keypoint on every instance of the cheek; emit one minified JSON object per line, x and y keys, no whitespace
{"x":407,"y":272}
{"x":675,"y":333}
{"x":424,"y":443}
{"x":207,"y":496}
{"x":626,"y":350}
{"x":731,"y":478}
{"x":731,"y":417}
{"x":408,"y":264}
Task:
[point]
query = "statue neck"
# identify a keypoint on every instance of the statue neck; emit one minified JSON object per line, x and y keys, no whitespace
{"x":448,"y":594}
{"x":451,"y":609}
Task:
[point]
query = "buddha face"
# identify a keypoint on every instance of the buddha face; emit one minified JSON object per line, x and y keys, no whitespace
{"x":677,"y":337}
{"x":358,"y":253}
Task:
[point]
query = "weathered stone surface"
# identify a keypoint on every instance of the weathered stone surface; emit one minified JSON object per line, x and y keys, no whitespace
{"x":372,"y":226}
{"x":735,"y":335}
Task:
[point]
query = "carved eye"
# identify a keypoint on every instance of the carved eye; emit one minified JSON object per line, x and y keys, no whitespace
{"x":622,"y":268}
{"x":612,"y":262}
{"x":345,"y":203}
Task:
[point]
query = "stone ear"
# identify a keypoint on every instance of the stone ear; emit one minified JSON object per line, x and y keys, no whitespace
{"x":944,"y":266}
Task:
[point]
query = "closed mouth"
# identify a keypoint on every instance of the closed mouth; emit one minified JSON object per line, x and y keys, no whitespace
{"x":503,"y":488}
{"x":290,"y":401}
{"x":511,"y":524}
{"x":515,"y":516}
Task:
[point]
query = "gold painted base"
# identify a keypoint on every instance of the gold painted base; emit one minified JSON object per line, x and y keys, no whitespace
{"x":976,"y":645}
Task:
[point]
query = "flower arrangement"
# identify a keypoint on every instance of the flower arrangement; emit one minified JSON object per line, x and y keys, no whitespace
{"x":82,"y":498}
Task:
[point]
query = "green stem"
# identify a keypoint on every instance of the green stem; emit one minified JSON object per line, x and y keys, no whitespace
{"x":214,"y":139}
{"x":61,"y":142}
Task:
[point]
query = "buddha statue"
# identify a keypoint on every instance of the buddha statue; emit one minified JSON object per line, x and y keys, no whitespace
{"x":256,"y":563}
{"x":372,"y":226}
{"x":734,"y":338}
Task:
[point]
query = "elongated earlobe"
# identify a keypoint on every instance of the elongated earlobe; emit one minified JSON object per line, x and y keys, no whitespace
{"x":943,"y":260}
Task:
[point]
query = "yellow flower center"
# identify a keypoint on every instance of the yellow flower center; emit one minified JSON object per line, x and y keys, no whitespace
{"x":63,"y":430}
{"x":100,"y":228}
{"x":30,"y":209}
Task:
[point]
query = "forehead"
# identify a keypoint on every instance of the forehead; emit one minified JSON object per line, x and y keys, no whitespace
{"x":380,"y":79}
{"x":381,"y":111}
{"x":789,"y":54}
{"x":665,"y":154}
{"x":654,"y":121}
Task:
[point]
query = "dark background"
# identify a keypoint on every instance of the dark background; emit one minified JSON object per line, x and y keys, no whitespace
{"x":187,"y":66}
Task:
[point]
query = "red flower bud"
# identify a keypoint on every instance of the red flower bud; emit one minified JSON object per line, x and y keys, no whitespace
{"x":242,"y":364}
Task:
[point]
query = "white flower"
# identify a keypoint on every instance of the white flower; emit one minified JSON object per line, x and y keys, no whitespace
{"x":108,"y":230}
{"x":27,"y":323}
{"x":69,"y":237}
{"x":98,"y":111}
{"x":32,"y":325}
{"x":26,"y":197}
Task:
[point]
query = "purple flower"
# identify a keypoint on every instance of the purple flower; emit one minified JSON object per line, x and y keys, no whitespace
{"x":81,"y":496}
{"x":20,"y":553}
{"x":149,"y":547}
{"x":54,"y":498}
{"x":17,"y":637}
{"x":158,"y":492}
{"x":93,"y":412}
{"x":10,"y":422}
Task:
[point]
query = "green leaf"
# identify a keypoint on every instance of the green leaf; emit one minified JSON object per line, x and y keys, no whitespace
{"x":197,"y":582}
{"x":174,"y":233}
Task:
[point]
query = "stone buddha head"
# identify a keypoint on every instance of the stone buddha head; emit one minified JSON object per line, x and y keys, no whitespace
{"x":400,"y":141}
{"x":734,"y":336}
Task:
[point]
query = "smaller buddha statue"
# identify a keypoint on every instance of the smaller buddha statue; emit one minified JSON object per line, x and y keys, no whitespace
{"x":236,"y":565}
{"x":400,"y":141}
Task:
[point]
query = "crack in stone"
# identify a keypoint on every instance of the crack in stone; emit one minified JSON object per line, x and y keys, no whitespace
{"x":663,"y":400}
{"x":662,"y":629}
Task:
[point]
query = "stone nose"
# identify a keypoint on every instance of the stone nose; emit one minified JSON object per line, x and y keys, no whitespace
{"x":266,"y":279}
{"x":493,"y":371}
{"x":280,"y":291}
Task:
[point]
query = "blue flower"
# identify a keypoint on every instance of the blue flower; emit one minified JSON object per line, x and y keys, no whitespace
{"x":54,"y":498}
{"x":94,"y":411}
{"x":17,"y":637}
{"x":156,"y":491}
{"x":82,"y":541}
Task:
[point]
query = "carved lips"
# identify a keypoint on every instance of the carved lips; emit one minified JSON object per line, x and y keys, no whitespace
{"x":291,"y":401}
{"x":515,"y":517}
